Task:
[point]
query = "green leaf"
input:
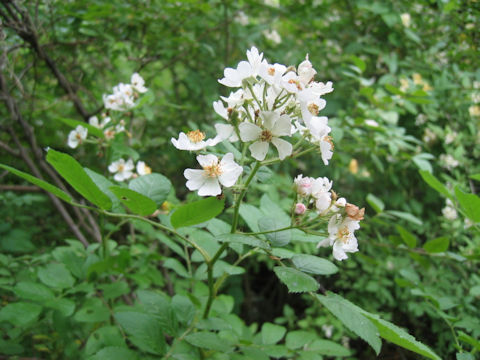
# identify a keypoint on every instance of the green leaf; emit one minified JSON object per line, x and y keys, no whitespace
{"x":65,"y":306}
{"x":104,"y":337}
{"x":33,"y":291}
{"x":437,"y":245}
{"x":295,"y":280}
{"x":114,"y":353}
{"x":434,"y":183}
{"x":114,"y":290}
{"x":197,"y":212}
{"x":74,"y":174}
{"x":176,"y":266}
{"x":56,"y":276}
{"x":20,"y":313}
{"x":314,"y":264}
{"x":299,"y":338}
{"x":271,"y":333}
{"x":352,"y":318}
{"x":406,"y":216}
{"x":74,"y":123}
{"x":250,"y":214}
{"x":375,"y":203}
{"x":470,"y":203}
{"x":400,"y":337}
{"x":327,"y":347}
{"x":159,"y":305}
{"x":144,"y":331}
{"x":40,"y":183}
{"x":475,"y":177}
{"x":277,"y":238}
{"x":104,"y":185}
{"x":93,"y":313}
{"x":137,"y":203}
{"x":207,"y":340}
{"x":243,"y":239}
{"x":154,"y":186}
{"x":407,"y":237}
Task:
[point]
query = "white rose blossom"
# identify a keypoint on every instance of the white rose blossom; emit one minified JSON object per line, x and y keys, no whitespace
{"x":143,"y":168}
{"x":138,"y":84}
{"x":193,"y":141}
{"x":273,"y":126}
{"x":77,"y":136}
{"x":341,"y":236}
{"x":214,"y":173}
{"x":122,"y":170}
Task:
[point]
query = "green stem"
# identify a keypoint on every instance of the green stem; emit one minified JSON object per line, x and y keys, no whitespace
{"x":254,"y":96}
{"x":271,"y":231}
{"x":211,"y":263}
{"x":163,"y":227}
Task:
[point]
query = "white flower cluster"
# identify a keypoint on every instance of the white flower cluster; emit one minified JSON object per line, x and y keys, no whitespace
{"x":124,"y":95}
{"x":449,"y":211}
{"x":122,"y":99}
{"x":124,"y":170}
{"x":344,"y":217}
{"x":273,"y":103}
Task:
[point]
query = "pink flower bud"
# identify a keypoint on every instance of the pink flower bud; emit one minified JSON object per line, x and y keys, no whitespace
{"x":300,"y":209}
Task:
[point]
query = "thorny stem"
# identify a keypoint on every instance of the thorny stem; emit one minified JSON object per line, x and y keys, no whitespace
{"x":211,"y":263}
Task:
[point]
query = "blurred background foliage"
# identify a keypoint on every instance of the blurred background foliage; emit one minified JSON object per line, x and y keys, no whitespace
{"x":407,"y":98}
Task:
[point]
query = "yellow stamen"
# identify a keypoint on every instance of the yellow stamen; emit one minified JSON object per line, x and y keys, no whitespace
{"x":271,"y":71}
{"x":314,"y":109}
{"x":196,"y":136}
{"x":213,"y":170}
{"x":266,"y":136}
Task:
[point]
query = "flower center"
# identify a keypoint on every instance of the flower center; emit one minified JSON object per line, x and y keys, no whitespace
{"x":213,"y":170}
{"x":147,"y":170}
{"x":78,"y":136}
{"x":266,"y":136}
{"x":313,"y":108}
{"x":271,"y":71}
{"x":343,"y":234}
{"x":296,"y":82}
{"x":121,"y":167}
{"x":195,"y":136}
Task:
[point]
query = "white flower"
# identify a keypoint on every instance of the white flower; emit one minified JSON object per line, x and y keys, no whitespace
{"x":220,"y":109}
{"x":122,"y":98}
{"x":449,"y":212}
{"x":234,"y":77}
{"x":255,"y":59}
{"x":143,"y":169}
{"x":450,"y":137}
{"x":272,"y":74}
{"x":405,"y":19}
{"x":321,"y":192}
{"x":99,"y":125}
{"x":305,"y":71}
{"x":193,"y":141}
{"x":235,"y":98}
{"x":76,"y":137}
{"x":291,"y":82}
{"x":371,"y":123}
{"x":304,"y":185}
{"x":123,"y":170}
{"x":138,"y":84}
{"x":241,"y":18}
{"x":320,"y":89}
{"x":273,"y":126}
{"x":214,"y":173}
{"x":225,"y":131}
{"x":319,"y":131}
{"x":448,"y":161}
{"x":341,"y":236}
{"x":273,"y":36}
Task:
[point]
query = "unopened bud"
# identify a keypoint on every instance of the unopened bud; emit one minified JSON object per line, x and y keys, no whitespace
{"x":300,"y":209}
{"x":354,"y":212}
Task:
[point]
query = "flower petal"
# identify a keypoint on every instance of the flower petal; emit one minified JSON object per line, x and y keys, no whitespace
{"x":284,"y":148}
{"x":207,"y":160}
{"x":283,"y":126}
{"x":249,"y":131}
{"x":259,"y":150}
{"x":195,"y":178}
{"x":211,"y":187}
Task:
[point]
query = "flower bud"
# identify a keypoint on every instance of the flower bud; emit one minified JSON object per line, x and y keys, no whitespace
{"x":354,"y":212}
{"x":300,"y":209}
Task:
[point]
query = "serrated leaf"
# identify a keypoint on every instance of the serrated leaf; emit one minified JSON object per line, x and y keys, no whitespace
{"x":153,"y":186}
{"x":40,"y":183}
{"x":65,"y":306}
{"x":277,"y":238}
{"x":327,"y":347}
{"x":353,"y":319}
{"x":56,"y":276}
{"x":407,"y":237}
{"x":470,"y":203}
{"x":20,"y":313}
{"x":271,"y":333}
{"x":243,"y":239}
{"x":144,"y":331}
{"x":437,"y":245}
{"x":400,"y":337}
{"x":434,"y":183}
{"x":33,"y":291}
{"x":104,"y":337}
{"x":314,"y":264}
{"x":114,"y":290}
{"x":73,"y":173}
{"x":114,"y":353}
{"x":295,"y":280}
{"x":176,"y":266}
{"x":159,"y":305}
{"x":207,"y":340}
{"x":197,"y":212}
{"x":137,"y":203}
